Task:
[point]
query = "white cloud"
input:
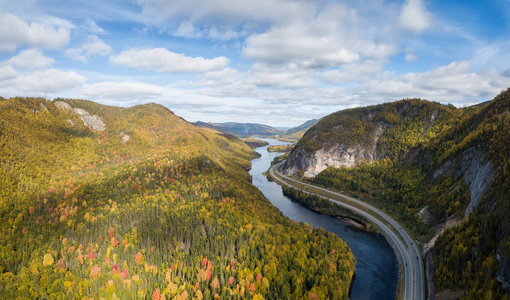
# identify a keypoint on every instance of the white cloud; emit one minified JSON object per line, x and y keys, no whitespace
{"x":455,"y":82}
{"x":225,"y":11}
{"x":410,"y":57}
{"x":30,"y":59}
{"x":121,"y":91}
{"x":298,"y":44}
{"x":15,"y":32}
{"x":44,"y":82}
{"x":414,"y":16}
{"x":186,"y":29}
{"x":355,"y":72}
{"x":280,"y":76}
{"x":162,"y":60}
{"x":7,"y":73}
{"x":336,"y":36}
{"x":94,"y":46}
{"x":75,"y":54}
{"x":91,"y":26}
{"x":320,"y":42}
{"x":226,"y":76}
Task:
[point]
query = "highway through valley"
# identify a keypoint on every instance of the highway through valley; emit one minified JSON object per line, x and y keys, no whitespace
{"x":412,"y":278}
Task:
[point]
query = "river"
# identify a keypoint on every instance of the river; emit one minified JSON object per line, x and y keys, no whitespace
{"x":376,"y":267}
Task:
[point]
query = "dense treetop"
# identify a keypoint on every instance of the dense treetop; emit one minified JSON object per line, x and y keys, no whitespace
{"x":150,"y":207}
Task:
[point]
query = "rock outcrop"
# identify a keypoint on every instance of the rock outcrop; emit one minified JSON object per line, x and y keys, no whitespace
{"x":503,"y":273}
{"x":93,"y":122}
{"x":124,"y":137}
{"x":63,"y":105}
{"x":476,"y":171}
{"x":334,"y":155}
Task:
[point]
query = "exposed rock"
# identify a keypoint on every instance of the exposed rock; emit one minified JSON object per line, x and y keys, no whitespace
{"x":433,"y":116}
{"x":503,"y":273}
{"x":44,"y":107}
{"x":124,"y":137}
{"x":439,"y":229}
{"x":92,"y":121}
{"x":380,"y":128}
{"x":63,"y":105}
{"x":425,"y":214}
{"x":478,"y":175}
{"x":476,"y":170}
{"x":70,"y":122}
{"x":370,"y":116}
{"x":333,"y":155}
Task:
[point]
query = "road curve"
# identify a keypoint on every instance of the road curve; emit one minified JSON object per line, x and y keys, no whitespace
{"x":407,"y":252}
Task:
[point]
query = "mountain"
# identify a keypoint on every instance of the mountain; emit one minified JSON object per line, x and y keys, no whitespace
{"x":294,"y":134}
{"x":107,"y":202}
{"x":442,"y":172}
{"x":241,"y":129}
{"x":350,"y":137}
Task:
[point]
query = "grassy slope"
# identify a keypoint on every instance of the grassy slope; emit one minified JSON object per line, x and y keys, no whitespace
{"x":172,"y":211}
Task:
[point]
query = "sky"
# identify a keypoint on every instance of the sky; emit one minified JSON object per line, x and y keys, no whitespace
{"x":276,"y":62}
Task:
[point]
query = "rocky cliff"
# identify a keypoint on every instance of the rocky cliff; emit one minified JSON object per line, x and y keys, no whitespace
{"x":309,"y":164}
{"x":363,"y":135}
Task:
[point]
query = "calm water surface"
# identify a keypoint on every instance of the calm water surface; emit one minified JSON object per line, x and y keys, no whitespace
{"x":376,"y":268}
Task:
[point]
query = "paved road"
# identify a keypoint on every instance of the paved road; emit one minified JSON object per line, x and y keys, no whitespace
{"x":407,"y":251}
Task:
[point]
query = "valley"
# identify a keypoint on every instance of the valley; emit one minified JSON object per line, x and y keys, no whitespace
{"x":106,"y":201}
{"x":275,"y":149}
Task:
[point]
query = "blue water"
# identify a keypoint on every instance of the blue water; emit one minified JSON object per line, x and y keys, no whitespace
{"x":376,"y":267}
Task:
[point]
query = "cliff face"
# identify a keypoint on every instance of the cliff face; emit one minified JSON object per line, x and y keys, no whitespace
{"x":333,"y":155}
{"x":476,"y":171}
{"x":309,"y":164}
{"x":363,"y":135}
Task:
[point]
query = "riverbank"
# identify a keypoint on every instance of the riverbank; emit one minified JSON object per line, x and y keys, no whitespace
{"x":324,"y":207}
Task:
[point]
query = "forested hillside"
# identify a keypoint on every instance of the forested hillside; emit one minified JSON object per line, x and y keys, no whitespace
{"x":444,"y":173}
{"x":100,"y":201}
{"x":356,"y":136}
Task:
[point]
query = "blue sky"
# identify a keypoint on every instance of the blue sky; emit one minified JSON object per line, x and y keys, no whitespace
{"x":276,"y":62}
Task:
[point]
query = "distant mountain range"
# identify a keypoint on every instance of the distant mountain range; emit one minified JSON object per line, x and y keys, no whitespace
{"x":294,"y":134}
{"x":254,"y":129}
{"x":241,"y":129}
